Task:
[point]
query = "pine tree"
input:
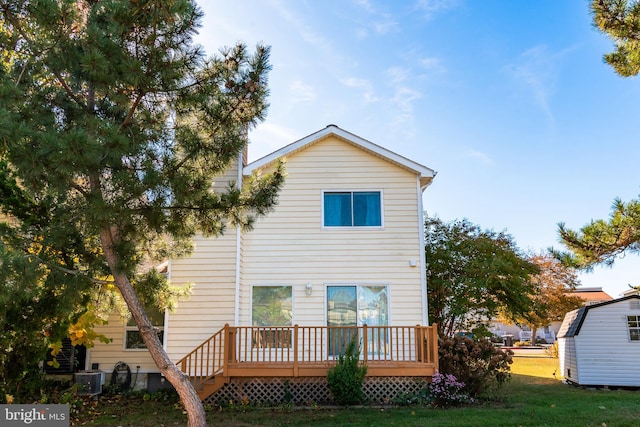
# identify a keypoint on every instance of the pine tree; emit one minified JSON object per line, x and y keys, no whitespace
{"x":602,"y":241}
{"x":113,"y":126}
{"x":620,"y":19}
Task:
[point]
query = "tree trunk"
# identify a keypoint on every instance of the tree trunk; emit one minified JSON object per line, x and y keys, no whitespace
{"x":186,"y":391}
{"x":534,"y":333}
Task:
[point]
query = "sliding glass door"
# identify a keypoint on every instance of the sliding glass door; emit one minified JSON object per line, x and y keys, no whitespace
{"x":349,"y":306}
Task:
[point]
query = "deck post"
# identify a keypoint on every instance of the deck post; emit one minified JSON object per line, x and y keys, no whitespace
{"x":227,"y":346}
{"x":295,"y":351}
{"x":435,"y":346}
{"x":420,"y":343}
{"x":365,"y":344}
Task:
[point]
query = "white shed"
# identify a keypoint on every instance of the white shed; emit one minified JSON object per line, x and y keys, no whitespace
{"x":599,"y":344}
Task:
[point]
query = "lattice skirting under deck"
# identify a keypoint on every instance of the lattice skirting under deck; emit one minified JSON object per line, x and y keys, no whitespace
{"x":309,"y":391}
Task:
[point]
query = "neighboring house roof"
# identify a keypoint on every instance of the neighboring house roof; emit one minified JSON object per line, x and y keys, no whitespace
{"x":591,"y":295}
{"x":574,"y":319}
{"x":426,"y":174}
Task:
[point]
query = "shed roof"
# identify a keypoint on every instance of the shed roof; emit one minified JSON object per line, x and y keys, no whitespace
{"x":573,"y":320}
{"x":426,"y":174}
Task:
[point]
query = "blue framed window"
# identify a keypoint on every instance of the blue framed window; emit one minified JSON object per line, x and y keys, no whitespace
{"x":352,"y":209}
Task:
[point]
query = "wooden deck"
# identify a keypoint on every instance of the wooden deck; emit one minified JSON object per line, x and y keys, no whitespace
{"x":308,"y":351}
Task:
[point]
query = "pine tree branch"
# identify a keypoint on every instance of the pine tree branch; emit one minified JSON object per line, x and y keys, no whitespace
{"x":131,"y":111}
{"x":16,"y":24}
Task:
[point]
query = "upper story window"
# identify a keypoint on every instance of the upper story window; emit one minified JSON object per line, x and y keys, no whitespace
{"x":352,"y":209}
{"x":634,"y":327}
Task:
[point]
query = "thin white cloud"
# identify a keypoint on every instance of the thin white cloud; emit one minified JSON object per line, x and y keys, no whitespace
{"x":379,"y":21}
{"x":432,"y":7}
{"x":366,"y":5}
{"x":312,"y":33}
{"x":268,"y":137}
{"x":301,"y":92}
{"x":432,"y":64}
{"x":479,"y":155}
{"x":361,"y":33}
{"x":535,"y":70}
{"x":398,"y":74}
{"x":402,"y":101}
{"x":386,"y":26}
{"x":306,"y":31}
{"x":368,"y":93}
{"x":402,"y":82}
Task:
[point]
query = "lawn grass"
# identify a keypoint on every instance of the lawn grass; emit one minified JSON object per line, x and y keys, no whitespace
{"x":532,"y":398}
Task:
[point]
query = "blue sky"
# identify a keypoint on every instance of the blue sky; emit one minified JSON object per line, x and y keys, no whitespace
{"x":508,"y":100}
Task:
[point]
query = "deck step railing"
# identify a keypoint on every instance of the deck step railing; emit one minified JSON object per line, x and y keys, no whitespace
{"x":207,"y":360}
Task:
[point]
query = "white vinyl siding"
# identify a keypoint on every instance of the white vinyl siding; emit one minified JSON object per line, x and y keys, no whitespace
{"x":212,"y":271}
{"x":107,"y":355}
{"x":290,"y":245}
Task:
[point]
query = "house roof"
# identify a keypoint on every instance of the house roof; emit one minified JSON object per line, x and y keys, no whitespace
{"x":573,"y":320}
{"x":426,"y":174}
{"x":590,"y":295}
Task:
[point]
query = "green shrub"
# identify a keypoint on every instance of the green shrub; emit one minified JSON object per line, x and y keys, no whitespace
{"x":422,"y":397}
{"x":34,"y":387}
{"x":346,"y":377}
{"x":480,"y":365}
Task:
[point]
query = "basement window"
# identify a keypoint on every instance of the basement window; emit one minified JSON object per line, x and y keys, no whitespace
{"x":633,"y":323}
{"x":133,"y":337}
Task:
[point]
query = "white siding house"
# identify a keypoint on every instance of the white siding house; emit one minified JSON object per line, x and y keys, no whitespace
{"x":344,"y":246}
{"x":590,"y":296}
{"x":599,"y":345}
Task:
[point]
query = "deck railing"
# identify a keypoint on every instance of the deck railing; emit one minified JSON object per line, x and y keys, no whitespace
{"x":311,"y":350}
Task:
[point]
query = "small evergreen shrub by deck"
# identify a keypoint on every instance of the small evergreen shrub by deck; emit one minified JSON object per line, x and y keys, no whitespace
{"x":480,"y":365}
{"x":346,"y":377}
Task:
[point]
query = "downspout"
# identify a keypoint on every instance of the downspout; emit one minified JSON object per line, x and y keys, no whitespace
{"x":236,"y":317}
{"x":165,"y":341}
{"x":423,"y":258}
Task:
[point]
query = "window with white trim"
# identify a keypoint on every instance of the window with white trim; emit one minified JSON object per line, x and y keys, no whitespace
{"x":352,"y":209}
{"x":133,"y":337}
{"x":633,"y":323}
{"x":272,"y":308}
